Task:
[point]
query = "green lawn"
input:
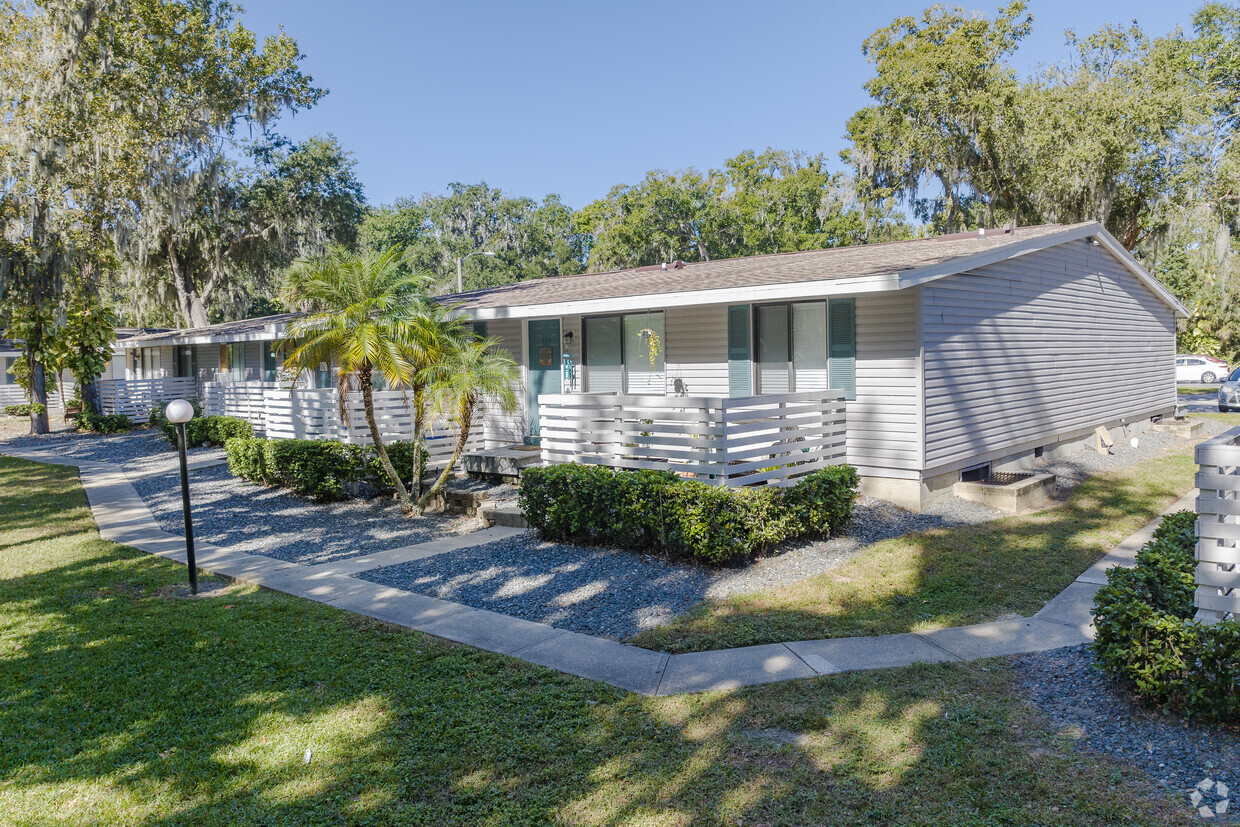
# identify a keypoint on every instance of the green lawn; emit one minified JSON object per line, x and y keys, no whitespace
{"x":943,"y":577}
{"x":122,"y":703}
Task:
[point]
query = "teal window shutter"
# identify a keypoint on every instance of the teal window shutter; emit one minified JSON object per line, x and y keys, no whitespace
{"x":739,"y":378}
{"x":480,"y":330}
{"x":842,"y":335}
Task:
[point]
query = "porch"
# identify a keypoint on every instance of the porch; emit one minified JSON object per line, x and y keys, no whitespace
{"x":134,"y":398}
{"x":772,"y":439}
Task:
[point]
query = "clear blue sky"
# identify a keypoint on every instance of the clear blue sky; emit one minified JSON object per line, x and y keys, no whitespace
{"x":535,"y":97}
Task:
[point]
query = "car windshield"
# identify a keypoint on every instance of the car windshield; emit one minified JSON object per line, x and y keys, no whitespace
{"x":1235,"y":376}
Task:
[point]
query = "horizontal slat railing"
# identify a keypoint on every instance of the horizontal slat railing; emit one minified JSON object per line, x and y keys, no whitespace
{"x":1218,"y":527}
{"x":12,"y":395}
{"x":767,"y":440}
{"x":312,"y":413}
{"x":134,"y":398}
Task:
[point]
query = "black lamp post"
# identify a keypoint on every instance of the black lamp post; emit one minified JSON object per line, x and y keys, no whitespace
{"x":179,"y":412}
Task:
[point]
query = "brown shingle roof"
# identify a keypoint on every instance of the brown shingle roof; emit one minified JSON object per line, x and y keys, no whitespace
{"x":780,"y":268}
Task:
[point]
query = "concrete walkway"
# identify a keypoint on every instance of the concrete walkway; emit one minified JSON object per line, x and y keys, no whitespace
{"x":1066,"y":620}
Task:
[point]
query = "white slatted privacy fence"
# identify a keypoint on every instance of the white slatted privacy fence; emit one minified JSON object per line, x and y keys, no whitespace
{"x":315,"y":414}
{"x":246,"y":400}
{"x":772,"y":439}
{"x":12,"y":394}
{"x":135,"y":397}
{"x":1218,"y":527}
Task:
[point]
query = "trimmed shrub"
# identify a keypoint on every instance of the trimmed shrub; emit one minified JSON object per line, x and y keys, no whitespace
{"x":217,"y":430}
{"x":18,"y":410}
{"x":247,"y":459}
{"x":157,"y":419}
{"x":401,"y":454}
{"x":313,"y":468}
{"x":102,"y":423}
{"x":657,"y":511}
{"x":1147,"y":635}
{"x":201,"y":430}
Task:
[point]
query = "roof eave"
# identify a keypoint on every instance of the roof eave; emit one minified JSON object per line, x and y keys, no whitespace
{"x":268,"y":333}
{"x":688,"y":298}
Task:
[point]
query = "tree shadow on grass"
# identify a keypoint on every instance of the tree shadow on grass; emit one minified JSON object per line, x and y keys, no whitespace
{"x":930,"y":579}
{"x":156,"y":711}
{"x":119,"y":705}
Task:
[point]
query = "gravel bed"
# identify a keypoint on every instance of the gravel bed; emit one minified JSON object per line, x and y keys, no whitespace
{"x":138,"y":452}
{"x":1103,"y":717}
{"x":242,"y":516}
{"x":1072,"y":470}
{"x":599,"y":591}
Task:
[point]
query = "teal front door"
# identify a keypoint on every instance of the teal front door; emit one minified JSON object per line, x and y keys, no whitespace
{"x":544,"y":362}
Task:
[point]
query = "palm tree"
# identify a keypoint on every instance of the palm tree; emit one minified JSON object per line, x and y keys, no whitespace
{"x":439,"y":331}
{"x":473,"y":371}
{"x":368,"y":314}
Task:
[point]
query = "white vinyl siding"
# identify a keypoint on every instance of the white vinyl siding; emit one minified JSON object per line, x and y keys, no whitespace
{"x":1038,"y":348}
{"x":696,"y":348}
{"x":503,"y":427}
{"x":253,"y":364}
{"x":884,"y":424}
{"x":208,"y":359}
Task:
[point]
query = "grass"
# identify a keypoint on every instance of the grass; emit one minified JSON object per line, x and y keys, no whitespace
{"x":1190,"y":389}
{"x":124,"y":703}
{"x":943,"y":577}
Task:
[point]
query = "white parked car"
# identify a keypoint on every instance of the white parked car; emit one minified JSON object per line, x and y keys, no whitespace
{"x":1199,"y":368}
{"x":1229,"y":393}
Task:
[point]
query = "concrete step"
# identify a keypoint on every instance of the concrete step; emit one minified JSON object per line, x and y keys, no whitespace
{"x":1028,"y":491}
{"x":506,"y":514}
{"x":1183,"y":428}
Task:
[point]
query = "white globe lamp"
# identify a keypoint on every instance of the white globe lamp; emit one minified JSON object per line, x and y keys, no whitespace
{"x":178,"y":413}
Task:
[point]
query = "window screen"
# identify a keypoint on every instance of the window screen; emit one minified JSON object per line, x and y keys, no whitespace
{"x":604,"y":370}
{"x":773,"y":373}
{"x":809,"y":346}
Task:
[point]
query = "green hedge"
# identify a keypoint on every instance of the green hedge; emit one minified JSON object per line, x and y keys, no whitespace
{"x":401,"y":454}
{"x":201,"y":430}
{"x":657,"y":511}
{"x":322,"y":469}
{"x":24,"y":409}
{"x":1147,"y":635}
{"x":102,"y":423}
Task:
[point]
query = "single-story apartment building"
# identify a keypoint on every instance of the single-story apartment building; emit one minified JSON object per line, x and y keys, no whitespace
{"x":928,"y":359}
{"x":11,"y":393}
{"x":985,"y":349}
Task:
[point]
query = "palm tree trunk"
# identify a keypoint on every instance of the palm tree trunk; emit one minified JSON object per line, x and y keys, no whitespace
{"x":466,"y":422}
{"x":419,"y":421}
{"x":368,"y":402}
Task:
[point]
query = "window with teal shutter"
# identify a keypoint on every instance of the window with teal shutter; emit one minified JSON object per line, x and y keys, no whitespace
{"x":480,"y":330}
{"x":739,"y":382}
{"x":842,"y":335}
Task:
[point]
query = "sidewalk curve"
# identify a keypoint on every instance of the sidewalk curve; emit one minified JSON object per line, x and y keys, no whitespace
{"x":1067,"y":620}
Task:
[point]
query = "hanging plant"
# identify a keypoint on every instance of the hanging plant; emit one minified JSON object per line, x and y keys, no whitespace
{"x":652,"y":344}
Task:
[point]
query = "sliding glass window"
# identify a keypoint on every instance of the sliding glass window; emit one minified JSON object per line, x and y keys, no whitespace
{"x":604,"y":365}
{"x":643,"y":353}
{"x":625,"y":354}
{"x":791,"y":345}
